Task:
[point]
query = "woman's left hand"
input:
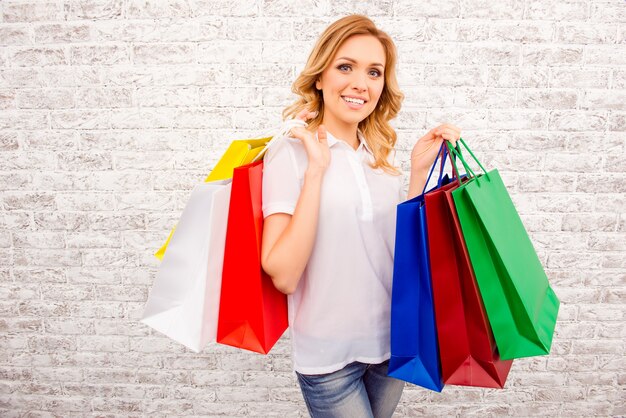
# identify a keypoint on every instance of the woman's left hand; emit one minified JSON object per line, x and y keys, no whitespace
{"x":426,"y":149}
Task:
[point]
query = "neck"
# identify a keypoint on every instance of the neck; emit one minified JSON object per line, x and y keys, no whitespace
{"x":343,"y":131}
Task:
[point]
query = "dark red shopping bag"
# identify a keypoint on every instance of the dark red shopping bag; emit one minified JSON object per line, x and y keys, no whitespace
{"x":253,"y":313}
{"x":467,"y":349}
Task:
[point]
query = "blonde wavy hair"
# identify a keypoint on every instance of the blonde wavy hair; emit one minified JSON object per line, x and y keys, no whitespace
{"x":378,"y":133}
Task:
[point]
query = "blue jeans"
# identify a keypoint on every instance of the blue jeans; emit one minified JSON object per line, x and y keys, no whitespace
{"x":359,"y":390}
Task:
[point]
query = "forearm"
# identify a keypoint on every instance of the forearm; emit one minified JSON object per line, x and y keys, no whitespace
{"x":290,"y":254}
{"x":416,"y":183}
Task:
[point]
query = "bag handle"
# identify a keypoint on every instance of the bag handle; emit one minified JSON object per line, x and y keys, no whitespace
{"x":432,"y":168}
{"x":283,"y":130}
{"x":457,"y":153}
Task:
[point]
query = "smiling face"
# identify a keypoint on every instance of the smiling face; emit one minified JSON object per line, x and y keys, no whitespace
{"x":353,"y":81}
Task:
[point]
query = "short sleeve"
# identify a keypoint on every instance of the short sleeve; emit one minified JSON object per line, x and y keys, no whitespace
{"x":281,"y":184}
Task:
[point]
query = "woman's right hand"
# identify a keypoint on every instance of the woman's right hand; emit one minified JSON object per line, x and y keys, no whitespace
{"x":317,"y":149}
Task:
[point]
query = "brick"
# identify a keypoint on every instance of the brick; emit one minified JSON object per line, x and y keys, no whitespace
{"x":80,"y":119}
{"x":517,"y":120}
{"x":165,"y":53}
{"x":57,"y":374}
{"x":547,"y":99}
{"x":553,"y":182}
{"x":569,"y":163}
{"x":47,"y":344}
{"x":117,"y":405}
{"x":480,"y":98}
{"x":61,"y":221}
{"x":603,"y":55}
{"x":575,"y":120}
{"x":508,"y":9}
{"x":237,"y":28}
{"x":522,"y":32}
{"x":515,"y":76}
{"x":573,"y":260}
{"x":603,"y":99}
{"x":24,"y":119}
{"x":31,"y":56}
{"x":20,"y":325}
{"x":172,"y":96}
{"x":102,"y":343}
{"x":61,"y":292}
{"x":569,"y":77}
{"x":61,"y":33}
{"x":84,"y":201}
{"x":586,"y":408}
{"x":121,"y":293}
{"x":9,"y":141}
{"x":607,"y":11}
{"x":581,"y":34}
{"x":554,"y":55}
{"x":143,"y":118}
{"x":15,"y":181}
{"x":140,"y":9}
{"x":114,"y":327}
{"x":597,"y":347}
{"x":503,"y":54}
{"x":45,"y":239}
{"x":556,"y":10}
{"x":213,"y":378}
{"x":48,"y":140}
{"x":98,"y":97}
{"x":155,"y":345}
{"x":235,"y":394}
{"x":610,"y":183}
{"x":99,"y":54}
{"x":63,"y":326}
{"x":15,"y":35}
{"x":589,"y":222}
{"x":115,"y":222}
{"x":602,"y":312}
{"x":617,"y":121}
{"x":32,"y":11}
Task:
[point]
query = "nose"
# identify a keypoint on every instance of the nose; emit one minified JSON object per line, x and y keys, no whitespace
{"x":359,"y":81}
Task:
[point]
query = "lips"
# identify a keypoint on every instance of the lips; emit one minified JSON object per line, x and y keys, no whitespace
{"x":354,"y":100}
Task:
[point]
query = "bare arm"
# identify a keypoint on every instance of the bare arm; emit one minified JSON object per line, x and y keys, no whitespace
{"x":288,"y":240}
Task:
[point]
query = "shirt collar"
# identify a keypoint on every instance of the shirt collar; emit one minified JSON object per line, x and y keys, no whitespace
{"x":332,"y":140}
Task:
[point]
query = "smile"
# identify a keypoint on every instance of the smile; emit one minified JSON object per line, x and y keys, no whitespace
{"x":353,"y":102}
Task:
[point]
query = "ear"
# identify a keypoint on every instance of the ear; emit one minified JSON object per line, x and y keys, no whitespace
{"x":318,"y":84}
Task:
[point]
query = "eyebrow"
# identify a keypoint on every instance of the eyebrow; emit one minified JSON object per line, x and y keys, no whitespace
{"x":374,"y":64}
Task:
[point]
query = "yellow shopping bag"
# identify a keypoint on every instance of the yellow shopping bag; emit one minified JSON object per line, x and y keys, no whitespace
{"x":239,"y":152}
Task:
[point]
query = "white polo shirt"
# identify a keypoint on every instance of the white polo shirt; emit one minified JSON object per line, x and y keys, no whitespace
{"x":340,"y":311}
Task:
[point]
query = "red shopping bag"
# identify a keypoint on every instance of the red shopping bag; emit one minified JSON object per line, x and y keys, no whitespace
{"x":253,"y":313}
{"x":467,"y":349}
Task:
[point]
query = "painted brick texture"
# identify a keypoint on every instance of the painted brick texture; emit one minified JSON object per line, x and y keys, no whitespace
{"x":111,"y":111}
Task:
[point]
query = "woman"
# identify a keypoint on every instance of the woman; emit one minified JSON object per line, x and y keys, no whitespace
{"x":329,"y":202}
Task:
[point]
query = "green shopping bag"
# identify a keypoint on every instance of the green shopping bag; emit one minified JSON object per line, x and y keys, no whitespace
{"x":520,"y":304}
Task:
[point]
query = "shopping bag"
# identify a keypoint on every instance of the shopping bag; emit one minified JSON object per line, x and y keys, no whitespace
{"x":239,"y":152}
{"x":467,"y":351}
{"x":520,"y":304}
{"x":252,"y":312}
{"x":184,"y":300}
{"x":414,"y":351}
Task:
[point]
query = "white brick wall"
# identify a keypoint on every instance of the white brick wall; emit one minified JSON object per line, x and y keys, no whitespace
{"x":112,"y":110}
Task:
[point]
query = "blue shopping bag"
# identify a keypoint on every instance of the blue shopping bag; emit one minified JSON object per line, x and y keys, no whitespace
{"x":414,"y":347}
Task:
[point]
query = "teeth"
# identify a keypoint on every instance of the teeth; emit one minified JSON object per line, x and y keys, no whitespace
{"x":351,"y":100}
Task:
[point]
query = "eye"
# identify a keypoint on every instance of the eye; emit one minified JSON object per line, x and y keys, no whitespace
{"x":341,"y":66}
{"x":376,"y":73}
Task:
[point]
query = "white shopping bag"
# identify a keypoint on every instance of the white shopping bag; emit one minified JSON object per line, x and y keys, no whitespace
{"x":184,"y":301}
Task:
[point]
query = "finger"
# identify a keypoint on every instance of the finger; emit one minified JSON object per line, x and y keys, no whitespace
{"x":450,"y":132}
{"x":298,"y":132}
{"x":321,"y":135}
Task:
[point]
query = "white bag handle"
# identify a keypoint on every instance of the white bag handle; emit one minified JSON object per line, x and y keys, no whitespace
{"x":283,"y":130}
